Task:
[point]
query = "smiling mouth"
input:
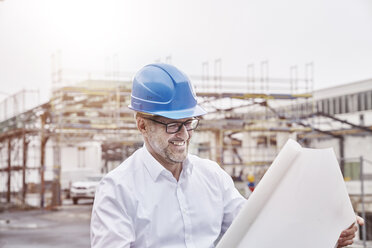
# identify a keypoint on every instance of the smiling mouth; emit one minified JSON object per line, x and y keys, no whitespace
{"x":178,"y":143}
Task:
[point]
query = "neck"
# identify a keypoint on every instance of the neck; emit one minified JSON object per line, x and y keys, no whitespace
{"x":174,"y":167}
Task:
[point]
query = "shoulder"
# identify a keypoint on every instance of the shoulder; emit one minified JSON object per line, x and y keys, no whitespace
{"x":209,"y":168}
{"x":118,"y":188}
{"x":124,"y":175}
{"x":205,"y":164}
{"x":128,"y":166}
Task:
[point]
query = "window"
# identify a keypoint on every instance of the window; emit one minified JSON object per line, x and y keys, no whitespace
{"x":360,"y":101}
{"x":331,"y":107}
{"x":81,"y":157}
{"x":325,"y":106}
{"x":355,"y":103}
{"x":319,"y":106}
{"x":361,"y":119}
{"x":352,"y":102}
{"x":369,"y":100}
{"x":262,"y":141}
{"x":266,"y":141}
{"x":342,"y":104}
{"x":346,"y":104}
{"x":310,"y":107}
{"x":204,"y":150}
{"x":336,"y":105}
{"x":366,"y":95}
{"x":351,"y":171}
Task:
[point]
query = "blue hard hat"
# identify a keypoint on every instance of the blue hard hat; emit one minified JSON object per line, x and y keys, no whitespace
{"x":162,"y":89}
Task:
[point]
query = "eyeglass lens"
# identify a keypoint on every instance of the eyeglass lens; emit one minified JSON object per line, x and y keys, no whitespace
{"x":174,"y":127}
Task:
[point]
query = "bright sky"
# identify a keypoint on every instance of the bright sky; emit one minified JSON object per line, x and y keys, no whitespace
{"x":335,"y":34}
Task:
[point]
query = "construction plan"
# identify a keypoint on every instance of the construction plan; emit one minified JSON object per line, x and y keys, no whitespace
{"x":301,"y":201}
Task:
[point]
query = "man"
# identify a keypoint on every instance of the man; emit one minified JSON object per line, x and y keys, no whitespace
{"x":162,"y":196}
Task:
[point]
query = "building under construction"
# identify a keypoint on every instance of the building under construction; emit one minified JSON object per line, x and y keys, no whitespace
{"x":86,"y":127}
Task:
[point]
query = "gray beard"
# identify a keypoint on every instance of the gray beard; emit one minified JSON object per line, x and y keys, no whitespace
{"x":172,"y":158}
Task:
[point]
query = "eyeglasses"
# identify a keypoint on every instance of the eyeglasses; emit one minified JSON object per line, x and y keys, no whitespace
{"x":175,"y":127}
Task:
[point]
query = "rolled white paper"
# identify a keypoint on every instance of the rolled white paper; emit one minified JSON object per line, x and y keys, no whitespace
{"x":300,"y":202}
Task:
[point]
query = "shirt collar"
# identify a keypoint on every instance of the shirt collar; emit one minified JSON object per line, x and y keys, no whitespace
{"x":187,"y":165}
{"x":152,"y":165}
{"x":155,"y":168}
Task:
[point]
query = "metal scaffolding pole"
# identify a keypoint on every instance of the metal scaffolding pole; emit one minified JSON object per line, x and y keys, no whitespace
{"x":43,"y":140}
{"x":361,"y":175}
{"x":9,"y":169}
{"x":56,"y":186}
{"x":24,"y":166}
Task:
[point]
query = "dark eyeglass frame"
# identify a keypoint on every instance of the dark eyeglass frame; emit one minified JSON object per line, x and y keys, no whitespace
{"x":180,"y":124}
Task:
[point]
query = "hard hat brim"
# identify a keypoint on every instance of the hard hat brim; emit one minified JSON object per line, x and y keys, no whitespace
{"x":177,"y":114}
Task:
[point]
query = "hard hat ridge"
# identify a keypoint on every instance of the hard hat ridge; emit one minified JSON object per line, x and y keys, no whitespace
{"x":162,"y":89}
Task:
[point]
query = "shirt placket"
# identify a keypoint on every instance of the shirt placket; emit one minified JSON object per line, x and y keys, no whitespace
{"x":185,"y":212}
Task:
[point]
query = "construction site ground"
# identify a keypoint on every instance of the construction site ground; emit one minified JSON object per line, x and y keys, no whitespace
{"x":66,"y":226}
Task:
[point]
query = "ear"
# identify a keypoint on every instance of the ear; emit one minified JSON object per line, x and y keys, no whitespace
{"x":142,"y":125}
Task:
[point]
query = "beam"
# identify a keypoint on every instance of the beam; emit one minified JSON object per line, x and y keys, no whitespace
{"x":339,"y":137}
{"x":367,"y":129}
{"x":17,"y":168}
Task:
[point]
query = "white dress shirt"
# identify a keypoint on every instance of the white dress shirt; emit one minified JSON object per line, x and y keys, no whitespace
{"x":140,"y":204}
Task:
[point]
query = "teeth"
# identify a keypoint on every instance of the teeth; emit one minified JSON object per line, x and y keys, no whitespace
{"x":178,"y":143}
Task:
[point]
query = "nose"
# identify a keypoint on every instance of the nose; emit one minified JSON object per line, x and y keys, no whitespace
{"x":183,"y":133}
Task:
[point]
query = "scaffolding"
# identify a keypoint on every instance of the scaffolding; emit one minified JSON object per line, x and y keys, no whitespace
{"x":251,"y":117}
{"x":82,"y":113}
{"x":249,"y":120}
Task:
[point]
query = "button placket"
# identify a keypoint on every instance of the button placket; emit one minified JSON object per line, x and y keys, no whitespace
{"x":185,"y":213}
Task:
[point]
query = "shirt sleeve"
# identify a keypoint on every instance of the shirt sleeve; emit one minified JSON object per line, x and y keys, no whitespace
{"x":111,"y":226}
{"x":232,"y":200}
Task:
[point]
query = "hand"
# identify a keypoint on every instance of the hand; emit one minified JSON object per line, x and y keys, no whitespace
{"x":347,"y":236}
